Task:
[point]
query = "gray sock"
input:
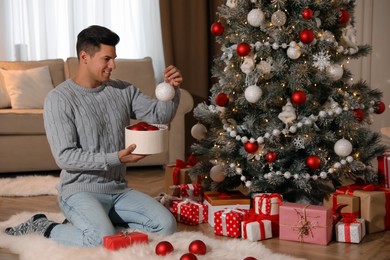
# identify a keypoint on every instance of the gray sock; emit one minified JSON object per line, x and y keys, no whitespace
{"x":36,"y":224}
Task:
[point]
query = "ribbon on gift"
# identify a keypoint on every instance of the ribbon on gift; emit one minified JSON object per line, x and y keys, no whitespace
{"x":224,"y":215}
{"x":265,"y":208}
{"x":261,"y":227}
{"x":190,"y":202}
{"x":347,"y":227}
{"x":180,"y":164}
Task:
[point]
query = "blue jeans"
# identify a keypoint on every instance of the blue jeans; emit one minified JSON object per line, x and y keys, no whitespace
{"x":92,"y":216}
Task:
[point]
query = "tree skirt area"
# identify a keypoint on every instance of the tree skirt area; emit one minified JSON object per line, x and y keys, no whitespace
{"x":33,"y":246}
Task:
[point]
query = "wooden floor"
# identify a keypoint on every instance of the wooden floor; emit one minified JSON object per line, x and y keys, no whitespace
{"x":150,"y":180}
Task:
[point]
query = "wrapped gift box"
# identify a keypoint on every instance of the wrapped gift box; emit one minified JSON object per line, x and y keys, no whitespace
{"x":305,"y":223}
{"x":176,"y":174}
{"x":267,"y":203}
{"x":167,"y":200}
{"x":383,"y":170}
{"x":228,"y":222}
{"x":190,"y":212}
{"x":350,"y":230}
{"x":374,"y":205}
{"x":217,"y":201}
{"x":124,"y":239}
{"x":350,"y":205}
{"x":191,"y":191}
{"x":274,"y":219}
{"x":256,"y":229}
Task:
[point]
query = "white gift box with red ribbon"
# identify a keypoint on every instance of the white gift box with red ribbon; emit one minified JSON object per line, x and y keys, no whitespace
{"x":350,"y":231}
{"x":267,"y":203}
{"x":255,"y":230}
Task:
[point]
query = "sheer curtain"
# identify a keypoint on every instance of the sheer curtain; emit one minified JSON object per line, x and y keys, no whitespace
{"x":47,"y":29}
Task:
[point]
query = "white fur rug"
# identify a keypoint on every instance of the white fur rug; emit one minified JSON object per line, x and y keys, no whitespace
{"x":31,"y":247}
{"x":24,"y":186}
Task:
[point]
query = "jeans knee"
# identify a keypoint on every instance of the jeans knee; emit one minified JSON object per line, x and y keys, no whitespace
{"x":168,"y":226}
{"x":92,"y":239}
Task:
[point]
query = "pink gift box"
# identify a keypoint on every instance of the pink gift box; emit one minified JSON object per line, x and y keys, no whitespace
{"x":190,"y":212}
{"x":305,"y":223}
{"x":267,"y":203}
{"x":255,"y":230}
{"x":228,"y":222}
{"x":350,"y":230}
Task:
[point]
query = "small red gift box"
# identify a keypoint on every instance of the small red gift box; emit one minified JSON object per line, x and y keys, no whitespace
{"x":383,"y":170}
{"x":176,"y":174}
{"x":350,"y":230}
{"x":256,"y":229}
{"x":305,"y":223}
{"x":191,"y":191}
{"x":190,"y":212}
{"x":124,"y":239}
{"x":228,"y":222}
{"x":267,"y":203}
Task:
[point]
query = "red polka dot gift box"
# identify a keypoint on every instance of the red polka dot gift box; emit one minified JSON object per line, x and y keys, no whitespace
{"x":228,"y":222}
{"x":190,"y":212}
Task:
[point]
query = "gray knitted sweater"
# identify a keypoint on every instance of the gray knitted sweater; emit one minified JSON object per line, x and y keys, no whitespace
{"x":85,"y":129}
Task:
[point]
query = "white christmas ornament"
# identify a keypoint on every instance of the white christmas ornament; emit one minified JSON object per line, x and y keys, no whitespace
{"x":253,"y":93}
{"x":217,"y":173}
{"x":343,"y":147}
{"x":164,"y":91}
{"x":335,"y":71}
{"x":279,"y":18}
{"x":348,"y":38}
{"x":294,"y":52}
{"x":198,"y":131}
{"x":231,"y":3}
{"x":288,"y":114}
{"x":255,"y":17}
{"x":248,"y":65}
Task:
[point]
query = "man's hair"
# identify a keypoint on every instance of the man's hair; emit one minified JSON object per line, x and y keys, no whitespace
{"x":90,"y":38}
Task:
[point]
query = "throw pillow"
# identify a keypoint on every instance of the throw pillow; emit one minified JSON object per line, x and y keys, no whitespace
{"x":5,"y":101}
{"x":27,"y":88}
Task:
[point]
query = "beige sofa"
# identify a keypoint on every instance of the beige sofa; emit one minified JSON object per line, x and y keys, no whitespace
{"x":23,"y":144}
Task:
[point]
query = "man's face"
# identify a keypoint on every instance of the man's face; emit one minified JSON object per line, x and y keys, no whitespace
{"x":101,"y":64}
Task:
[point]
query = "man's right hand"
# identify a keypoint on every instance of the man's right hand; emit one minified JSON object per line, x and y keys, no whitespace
{"x":126,"y":156}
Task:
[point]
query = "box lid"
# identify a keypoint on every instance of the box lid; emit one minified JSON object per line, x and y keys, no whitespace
{"x":226,"y":198}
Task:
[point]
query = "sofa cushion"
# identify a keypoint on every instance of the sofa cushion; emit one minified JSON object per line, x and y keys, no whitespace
{"x":56,"y":67}
{"x":27,"y":88}
{"x":21,"y":122}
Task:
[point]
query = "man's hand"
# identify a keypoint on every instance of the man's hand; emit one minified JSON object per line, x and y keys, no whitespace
{"x":126,"y":156}
{"x":173,"y":76}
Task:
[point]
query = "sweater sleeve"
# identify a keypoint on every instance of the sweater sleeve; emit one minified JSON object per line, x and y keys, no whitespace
{"x":61,"y":132}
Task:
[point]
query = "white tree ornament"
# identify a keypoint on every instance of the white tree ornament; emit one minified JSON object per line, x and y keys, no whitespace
{"x":294,"y":52}
{"x":231,"y":3}
{"x":248,"y":65}
{"x":255,"y":17}
{"x":164,"y":91}
{"x":343,"y":147}
{"x":217,"y":173}
{"x":198,"y":131}
{"x":253,"y":93}
{"x":288,"y":114}
{"x":335,"y":71}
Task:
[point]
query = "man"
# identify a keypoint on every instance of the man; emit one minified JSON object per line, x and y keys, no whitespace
{"x":84,"y":119}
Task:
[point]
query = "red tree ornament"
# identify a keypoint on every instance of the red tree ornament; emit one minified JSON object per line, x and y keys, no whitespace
{"x":270,"y":157}
{"x":358,"y":114}
{"x":307,"y":13}
{"x":217,"y":28}
{"x":163,"y":248}
{"x":380,"y":107}
{"x":243,"y":49}
{"x":222,"y":99}
{"x":188,"y":256}
{"x":343,"y":17}
{"x":298,"y":97}
{"x":250,"y":258}
{"x":306,"y":36}
{"x":251,"y":147}
{"x":197,"y":247}
{"x":313,"y":162}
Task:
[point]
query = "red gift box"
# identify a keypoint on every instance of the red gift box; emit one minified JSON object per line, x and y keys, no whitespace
{"x":267,"y":203}
{"x":124,"y":239}
{"x":305,"y":223}
{"x":190,"y":212}
{"x":191,"y":191}
{"x":228,"y":222}
{"x":383,"y":170}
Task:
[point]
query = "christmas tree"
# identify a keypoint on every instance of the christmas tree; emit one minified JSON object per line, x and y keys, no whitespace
{"x":284,"y":114}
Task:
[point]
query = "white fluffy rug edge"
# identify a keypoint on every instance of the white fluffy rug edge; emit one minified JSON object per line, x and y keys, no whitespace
{"x":24,"y":186}
{"x":31,"y":247}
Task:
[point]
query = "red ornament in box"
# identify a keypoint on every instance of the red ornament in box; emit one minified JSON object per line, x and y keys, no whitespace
{"x":380,"y":107}
{"x":307,"y":13}
{"x":343,"y":17}
{"x":306,"y":36}
{"x":270,"y":157}
{"x":358,"y":114}
{"x":313,"y":162}
{"x":217,"y":28}
{"x":227,"y":222}
{"x":251,"y":147}
{"x":222,"y":99}
{"x":243,"y":49}
{"x":164,"y":248}
{"x":190,"y":212}
{"x":298,"y":97}
{"x":124,"y":239}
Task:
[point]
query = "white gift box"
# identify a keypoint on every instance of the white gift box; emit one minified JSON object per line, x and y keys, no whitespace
{"x":267,"y":203}
{"x":148,"y":142}
{"x":350,"y":232}
{"x":256,"y":230}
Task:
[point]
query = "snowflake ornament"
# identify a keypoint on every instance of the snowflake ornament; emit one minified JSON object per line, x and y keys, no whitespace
{"x":321,"y":60}
{"x":299,"y":143}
